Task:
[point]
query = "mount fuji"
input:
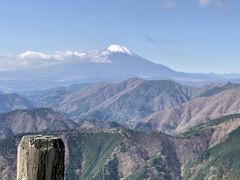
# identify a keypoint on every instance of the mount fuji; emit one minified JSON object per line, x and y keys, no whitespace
{"x":114,"y":63}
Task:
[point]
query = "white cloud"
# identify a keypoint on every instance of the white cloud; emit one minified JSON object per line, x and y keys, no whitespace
{"x":170,"y":4}
{"x":220,"y":4}
{"x":61,"y":55}
{"x":33,"y":55}
{"x":34,"y":59}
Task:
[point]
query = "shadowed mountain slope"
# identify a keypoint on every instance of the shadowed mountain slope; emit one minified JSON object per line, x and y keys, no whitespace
{"x":33,"y":120}
{"x":194,"y":112}
{"x":125,"y":102}
{"x":9,"y":102}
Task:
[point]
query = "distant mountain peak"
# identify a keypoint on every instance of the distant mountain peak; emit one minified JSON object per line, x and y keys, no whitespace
{"x":114,"y":48}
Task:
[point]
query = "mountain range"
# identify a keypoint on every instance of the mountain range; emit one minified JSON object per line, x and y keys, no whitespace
{"x":196,"y":111}
{"x":122,"y":117}
{"x":162,"y":105}
{"x":33,"y":120}
{"x":134,"y":129}
{"x":205,"y":151}
{"x":13,"y":101}
{"x":112,"y":64}
{"x":125,"y":102}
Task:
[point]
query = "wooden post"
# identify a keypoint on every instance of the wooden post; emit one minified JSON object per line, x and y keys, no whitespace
{"x":40,"y":158}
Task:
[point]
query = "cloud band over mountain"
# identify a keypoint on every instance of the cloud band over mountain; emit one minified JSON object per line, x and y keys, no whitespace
{"x":35,"y":59}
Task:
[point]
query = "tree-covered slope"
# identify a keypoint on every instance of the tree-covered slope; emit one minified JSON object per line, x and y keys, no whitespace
{"x":92,"y":149}
{"x":219,"y":162}
{"x":206,"y":151}
{"x":105,"y":155}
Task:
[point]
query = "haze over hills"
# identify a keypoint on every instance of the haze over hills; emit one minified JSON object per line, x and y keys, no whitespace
{"x":37,"y":70}
{"x":125,"y":102}
{"x":161,"y":105}
{"x":146,"y":104}
{"x":53,"y":96}
{"x":9,"y":102}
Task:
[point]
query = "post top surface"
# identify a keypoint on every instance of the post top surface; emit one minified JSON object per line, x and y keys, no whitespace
{"x":41,"y":142}
{"x":41,"y":137}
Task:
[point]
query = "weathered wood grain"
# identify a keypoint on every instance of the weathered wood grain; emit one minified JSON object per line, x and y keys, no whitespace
{"x":40,"y":158}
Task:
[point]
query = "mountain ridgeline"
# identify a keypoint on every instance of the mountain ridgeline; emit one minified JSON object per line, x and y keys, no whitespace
{"x":33,"y":120}
{"x":9,"y":102}
{"x":203,"y":152}
{"x":162,"y":105}
{"x":124,"y":102}
{"x":148,"y":105}
{"x":94,"y":120}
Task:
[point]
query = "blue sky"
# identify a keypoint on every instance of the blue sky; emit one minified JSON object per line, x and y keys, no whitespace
{"x":186,"y":35}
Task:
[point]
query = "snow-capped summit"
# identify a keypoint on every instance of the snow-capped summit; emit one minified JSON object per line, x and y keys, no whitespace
{"x":114,"y":48}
